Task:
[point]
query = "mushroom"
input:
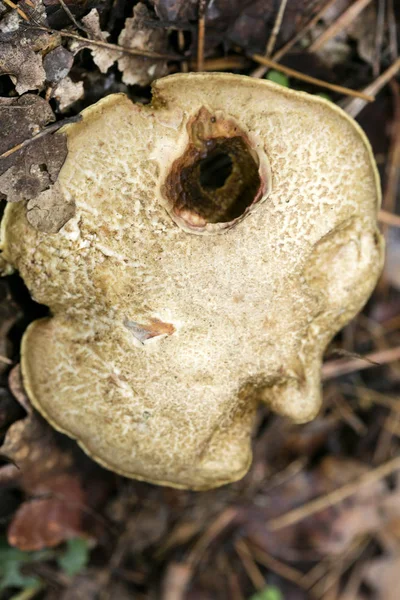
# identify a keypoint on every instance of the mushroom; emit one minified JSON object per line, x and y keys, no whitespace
{"x":222,"y":235}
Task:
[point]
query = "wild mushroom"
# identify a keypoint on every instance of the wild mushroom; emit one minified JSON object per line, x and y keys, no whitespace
{"x":222,"y":235}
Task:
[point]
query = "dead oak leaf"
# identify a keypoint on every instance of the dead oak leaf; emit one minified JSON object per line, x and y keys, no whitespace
{"x":137,"y":70}
{"x":102,"y":57}
{"x":49,"y":210}
{"x":48,"y":521}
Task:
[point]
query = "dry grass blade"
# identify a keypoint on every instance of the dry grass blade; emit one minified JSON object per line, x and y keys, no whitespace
{"x":335,"y":368}
{"x":296,"y":74}
{"x":334,"y":497}
{"x":341,"y":23}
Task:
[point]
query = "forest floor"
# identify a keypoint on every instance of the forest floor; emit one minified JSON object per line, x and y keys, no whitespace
{"x":318,"y":515}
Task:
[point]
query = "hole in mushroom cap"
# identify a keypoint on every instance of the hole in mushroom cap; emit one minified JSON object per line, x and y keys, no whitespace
{"x":215,"y":181}
{"x":215,"y":170}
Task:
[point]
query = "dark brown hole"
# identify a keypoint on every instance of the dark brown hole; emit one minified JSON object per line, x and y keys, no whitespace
{"x":215,"y":170}
{"x":220,"y":182}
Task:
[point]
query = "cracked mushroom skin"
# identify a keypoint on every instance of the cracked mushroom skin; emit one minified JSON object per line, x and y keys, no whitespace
{"x":222,"y":235}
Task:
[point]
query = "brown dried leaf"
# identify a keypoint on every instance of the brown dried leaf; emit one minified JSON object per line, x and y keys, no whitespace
{"x":67,"y":92}
{"x":176,"y":10}
{"x":46,"y":522}
{"x":102,"y":57}
{"x":28,"y":172}
{"x":22,"y":48}
{"x":20,"y":119}
{"x":135,"y":69}
{"x":57,"y":64}
{"x":24,"y":67}
{"x":50,"y":210}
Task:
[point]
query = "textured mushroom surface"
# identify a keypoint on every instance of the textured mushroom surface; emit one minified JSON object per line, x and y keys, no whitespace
{"x":222,"y":235}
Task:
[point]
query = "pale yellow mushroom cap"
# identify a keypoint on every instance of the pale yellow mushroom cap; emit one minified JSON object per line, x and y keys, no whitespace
{"x":222,"y":235}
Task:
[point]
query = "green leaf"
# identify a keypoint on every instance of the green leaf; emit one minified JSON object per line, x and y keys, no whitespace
{"x":324,"y":95}
{"x":269,"y":593}
{"x":278,"y":77}
{"x":11,"y":561}
{"x":75,"y":557}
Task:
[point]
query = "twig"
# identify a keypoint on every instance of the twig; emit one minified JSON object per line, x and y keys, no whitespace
{"x":46,"y":131}
{"x":261,"y":70}
{"x":201,"y":35}
{"x":334,"y":497}
{"x":379,"y":33}
{"x":181,"y":47}
{"x":389,"y":218}
{"x":292,"y":73}
{"x":345,"y":19}
{"x":253,"y":572}
{"x":276,"y":28}
{"x":355,"y":106}
{"x":335,"y":368}
{"x":226,"y":63}
{"x":71,"y":16}
{"x":280,"y":568}
{"x":309,"y":25}
{"x":393,"y":165}
{"x":223,"y":521}
{"x":17,"y":8}
{"x":115,"y":47}
{"x":394,"y":50}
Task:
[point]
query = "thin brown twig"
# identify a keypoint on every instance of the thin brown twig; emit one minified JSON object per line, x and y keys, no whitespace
{"x":50,"y":129}
{"x":71,"y":16}
{"x":253,"y":572}
{"x":335,"y":368}
{"x":334,"y":497}
{"x":222,"y":521}
{"x":302,"y":76}
{"x":392,"y":26}
{"x":225,"y":63}
{"x":261,"y":70}
{"x":17,"y":8}
{"x":201,"y":35}
{"x":355,"y":105}
{"x":280,"y":568}
{"x":379,"y":33}
{"x":388,"y":218}
{"x":393,"y":164}
{"x":307,"y":27}
{"x":109,"y":46}
{"x":276,"y":28}
{"x":345,"y":19}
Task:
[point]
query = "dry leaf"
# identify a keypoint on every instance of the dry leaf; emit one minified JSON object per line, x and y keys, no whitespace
{"x":137,"y":70}
{"x":20,"y":119}
{"x":50,"y":210}
{"x":57,"y":64}
{"x":102,"y":57}
{"x":67,"y":92}
{"x":46,"y":522}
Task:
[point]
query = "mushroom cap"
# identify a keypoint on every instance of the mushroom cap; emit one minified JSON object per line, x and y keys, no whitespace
{"x":222,"y":235}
